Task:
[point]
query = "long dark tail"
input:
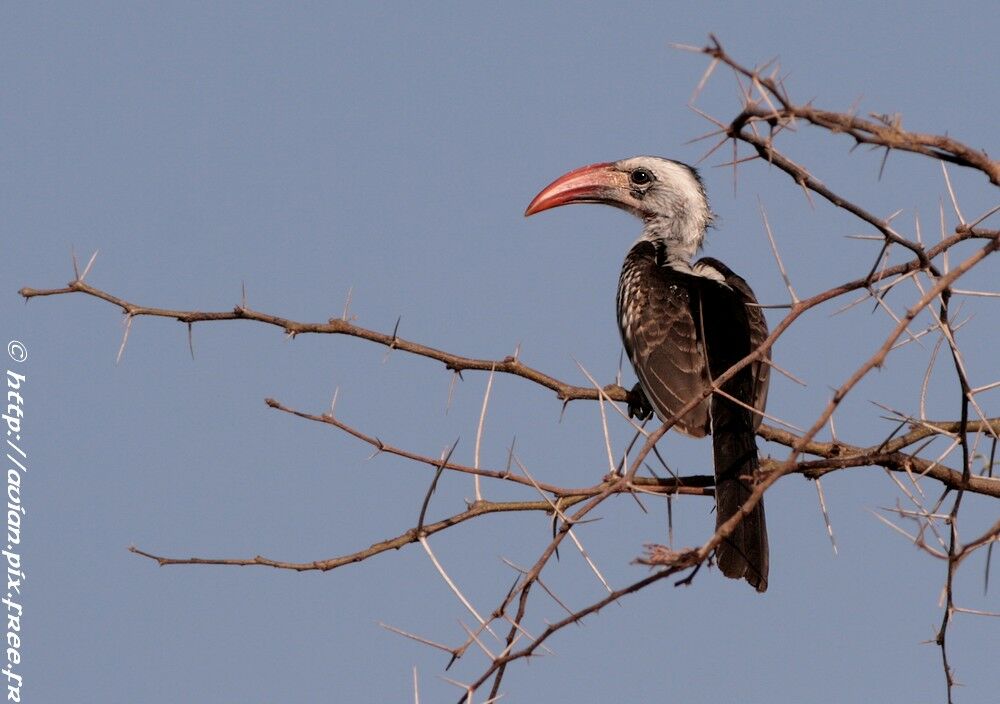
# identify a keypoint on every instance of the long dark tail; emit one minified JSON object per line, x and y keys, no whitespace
{"x":744,"y":553}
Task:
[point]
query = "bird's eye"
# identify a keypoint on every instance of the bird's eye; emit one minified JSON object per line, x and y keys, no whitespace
{"x":641,"y":177}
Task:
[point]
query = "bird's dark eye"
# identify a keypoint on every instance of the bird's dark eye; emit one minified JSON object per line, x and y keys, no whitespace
{"x":641,"y":177}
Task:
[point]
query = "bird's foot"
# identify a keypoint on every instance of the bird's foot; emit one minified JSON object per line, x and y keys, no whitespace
{"x":638,"y":405}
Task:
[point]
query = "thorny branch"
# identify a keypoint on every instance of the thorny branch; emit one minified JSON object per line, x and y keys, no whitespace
{"x":765,"y":104}
{"x":768,"y":102}
{"x":883,"y":132}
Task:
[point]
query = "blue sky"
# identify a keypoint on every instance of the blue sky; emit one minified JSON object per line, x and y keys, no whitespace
{"x":310,"y":150}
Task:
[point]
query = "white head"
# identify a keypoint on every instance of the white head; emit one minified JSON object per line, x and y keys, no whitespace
{"x":667,"y":195}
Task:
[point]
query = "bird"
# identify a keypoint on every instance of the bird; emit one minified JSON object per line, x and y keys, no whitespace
{"x":684,"y":323}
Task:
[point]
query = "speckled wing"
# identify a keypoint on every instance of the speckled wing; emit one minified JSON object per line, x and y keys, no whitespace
{"x":681,"y":330}
{"x":662,"y":339}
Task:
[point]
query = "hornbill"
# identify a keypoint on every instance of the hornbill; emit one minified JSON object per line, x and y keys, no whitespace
{"x":684,"y":324}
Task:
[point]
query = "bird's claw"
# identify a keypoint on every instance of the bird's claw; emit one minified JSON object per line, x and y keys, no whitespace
{"x":638,"y":405}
